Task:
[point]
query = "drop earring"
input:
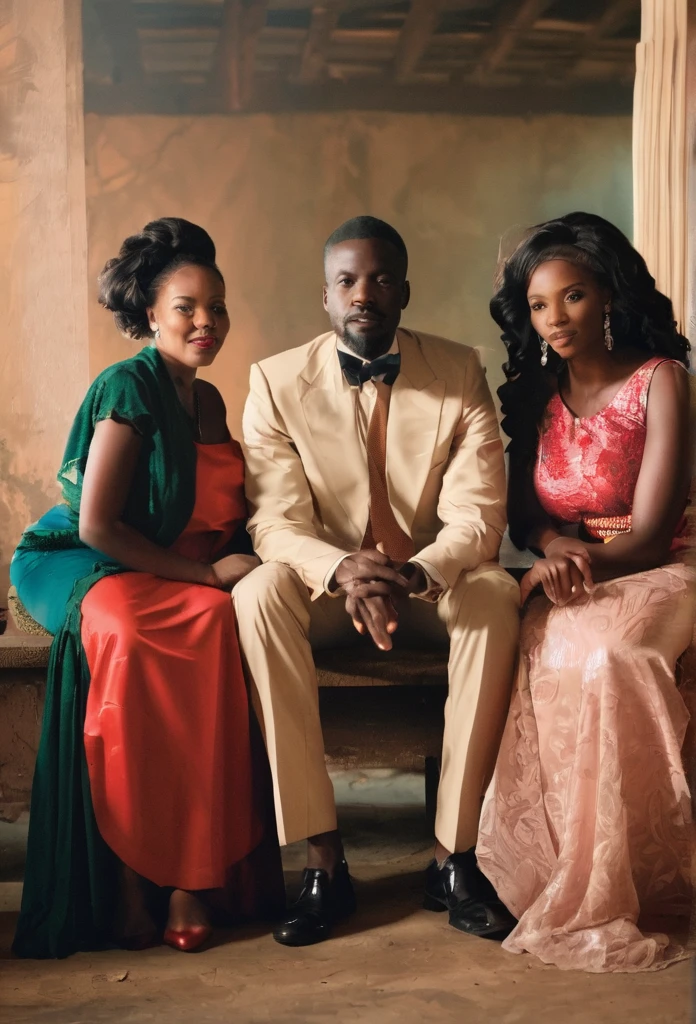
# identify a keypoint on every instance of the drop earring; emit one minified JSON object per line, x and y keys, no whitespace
{"x":157,"y":333}
{"x":544,"y":351}
{"x":608,"y":337}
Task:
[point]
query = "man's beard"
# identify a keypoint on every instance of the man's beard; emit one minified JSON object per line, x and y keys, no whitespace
{"x":368,"y":348}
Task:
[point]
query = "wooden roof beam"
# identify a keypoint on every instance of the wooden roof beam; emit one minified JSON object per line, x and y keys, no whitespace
{"x":254,"y":20}
{"x":416,"y":33}
{"x":225,"y":75}
{"x":615,"y":17}
{"x":274,"y":95}
{"x":118,"y":21}
{"x":516,"y":18}
{"x":313,"y":58}
{"x":232,"y":73}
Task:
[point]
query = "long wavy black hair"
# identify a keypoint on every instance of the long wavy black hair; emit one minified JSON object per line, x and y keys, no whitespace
{"x":641,"y":317}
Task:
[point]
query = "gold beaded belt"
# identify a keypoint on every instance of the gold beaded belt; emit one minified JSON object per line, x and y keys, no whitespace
{"x":606,"y":527}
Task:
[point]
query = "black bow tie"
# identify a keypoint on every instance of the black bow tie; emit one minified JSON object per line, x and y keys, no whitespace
{"x":357,"y":372}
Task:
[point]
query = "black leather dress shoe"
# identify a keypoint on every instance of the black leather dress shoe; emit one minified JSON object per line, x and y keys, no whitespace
{"x":460,"y":887}
{"x":322,"y":902}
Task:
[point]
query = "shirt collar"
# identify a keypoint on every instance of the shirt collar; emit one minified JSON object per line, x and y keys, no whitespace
{"x":394,"y":350}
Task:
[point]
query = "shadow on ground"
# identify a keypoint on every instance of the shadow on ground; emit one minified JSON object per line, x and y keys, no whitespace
{"x":393,"y":963}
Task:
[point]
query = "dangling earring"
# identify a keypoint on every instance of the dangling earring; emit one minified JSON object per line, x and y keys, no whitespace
{"x":608,"y":337}
{"x":157,"y":334}
{"x":544,"y":351}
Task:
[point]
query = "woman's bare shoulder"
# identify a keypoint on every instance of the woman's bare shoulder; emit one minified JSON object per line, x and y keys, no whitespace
{"x":669,"y":383}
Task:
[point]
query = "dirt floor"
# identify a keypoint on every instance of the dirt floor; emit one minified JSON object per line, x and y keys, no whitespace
{"x":394,"y":963}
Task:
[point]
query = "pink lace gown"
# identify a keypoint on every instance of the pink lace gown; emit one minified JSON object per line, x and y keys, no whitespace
{"x":586,"y":825}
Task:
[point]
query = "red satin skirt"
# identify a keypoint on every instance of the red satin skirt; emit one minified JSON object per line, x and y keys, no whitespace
{"x":167,"y":730}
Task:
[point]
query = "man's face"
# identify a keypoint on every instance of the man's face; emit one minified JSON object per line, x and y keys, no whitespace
{"x":365,"y":291}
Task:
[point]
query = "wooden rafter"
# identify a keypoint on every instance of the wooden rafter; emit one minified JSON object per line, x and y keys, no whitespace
{"x":421,"y":22}
{"x":614,"y":18}
{"x":313,"y":57}
{"x":516,"y":17}
{"x":282,"y":96}
{"x":253,"y":23}
{"x":121,"y":34}
{"x":225,"y":76}
{"x":232,"y":73}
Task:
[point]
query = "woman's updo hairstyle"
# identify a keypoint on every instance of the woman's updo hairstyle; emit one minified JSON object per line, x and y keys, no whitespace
{"x":641,"y":317}
{"x":129,"y":282}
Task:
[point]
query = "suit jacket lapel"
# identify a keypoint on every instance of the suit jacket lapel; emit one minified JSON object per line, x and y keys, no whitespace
{"x":412,"y":428}
{"x":329,"y":411}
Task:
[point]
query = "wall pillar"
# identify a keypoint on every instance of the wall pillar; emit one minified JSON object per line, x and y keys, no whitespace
{"x":44,"y":369}
{"x":690,"y":321}
{"x":663,"y":147}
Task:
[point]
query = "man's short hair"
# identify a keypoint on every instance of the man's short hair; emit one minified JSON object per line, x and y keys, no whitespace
{"x":366,"y":227}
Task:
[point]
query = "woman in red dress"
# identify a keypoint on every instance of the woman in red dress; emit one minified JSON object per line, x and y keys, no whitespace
{"x":132,"y":574}
{"x":587,"y":823}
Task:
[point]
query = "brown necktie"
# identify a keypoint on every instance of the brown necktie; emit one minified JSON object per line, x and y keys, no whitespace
{"x":382,"y":527}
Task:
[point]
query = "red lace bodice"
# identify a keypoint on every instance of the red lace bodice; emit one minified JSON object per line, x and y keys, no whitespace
{"x":587,"y":467}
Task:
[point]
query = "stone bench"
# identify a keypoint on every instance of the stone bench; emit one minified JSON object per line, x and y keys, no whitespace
{"x":23,"y":661}
{"x":384,"y":710}
{"x":379,"y":710}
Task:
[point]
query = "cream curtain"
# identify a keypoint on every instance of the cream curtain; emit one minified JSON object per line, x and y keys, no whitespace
{"x":660,"y":170}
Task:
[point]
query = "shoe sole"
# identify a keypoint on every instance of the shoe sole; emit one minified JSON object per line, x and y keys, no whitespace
{"x":303,"y":942}
{"x":499,"y":933}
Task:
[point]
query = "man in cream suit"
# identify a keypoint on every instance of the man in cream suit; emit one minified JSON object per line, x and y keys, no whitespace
{"x":376,"y":486}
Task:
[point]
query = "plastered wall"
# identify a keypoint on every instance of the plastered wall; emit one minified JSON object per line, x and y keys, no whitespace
{"x":271,"y":188}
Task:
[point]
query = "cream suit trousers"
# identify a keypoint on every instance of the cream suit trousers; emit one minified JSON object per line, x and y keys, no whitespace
{"x":279,"y":625}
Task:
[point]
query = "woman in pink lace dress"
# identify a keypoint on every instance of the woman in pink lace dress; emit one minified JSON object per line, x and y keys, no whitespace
{"x":586,"y":829}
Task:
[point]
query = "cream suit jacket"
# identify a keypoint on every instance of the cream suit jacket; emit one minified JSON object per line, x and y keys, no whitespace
{"x":307,"y":476}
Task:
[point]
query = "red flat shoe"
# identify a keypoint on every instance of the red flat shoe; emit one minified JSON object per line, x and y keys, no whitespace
{"x":188,"y":940}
